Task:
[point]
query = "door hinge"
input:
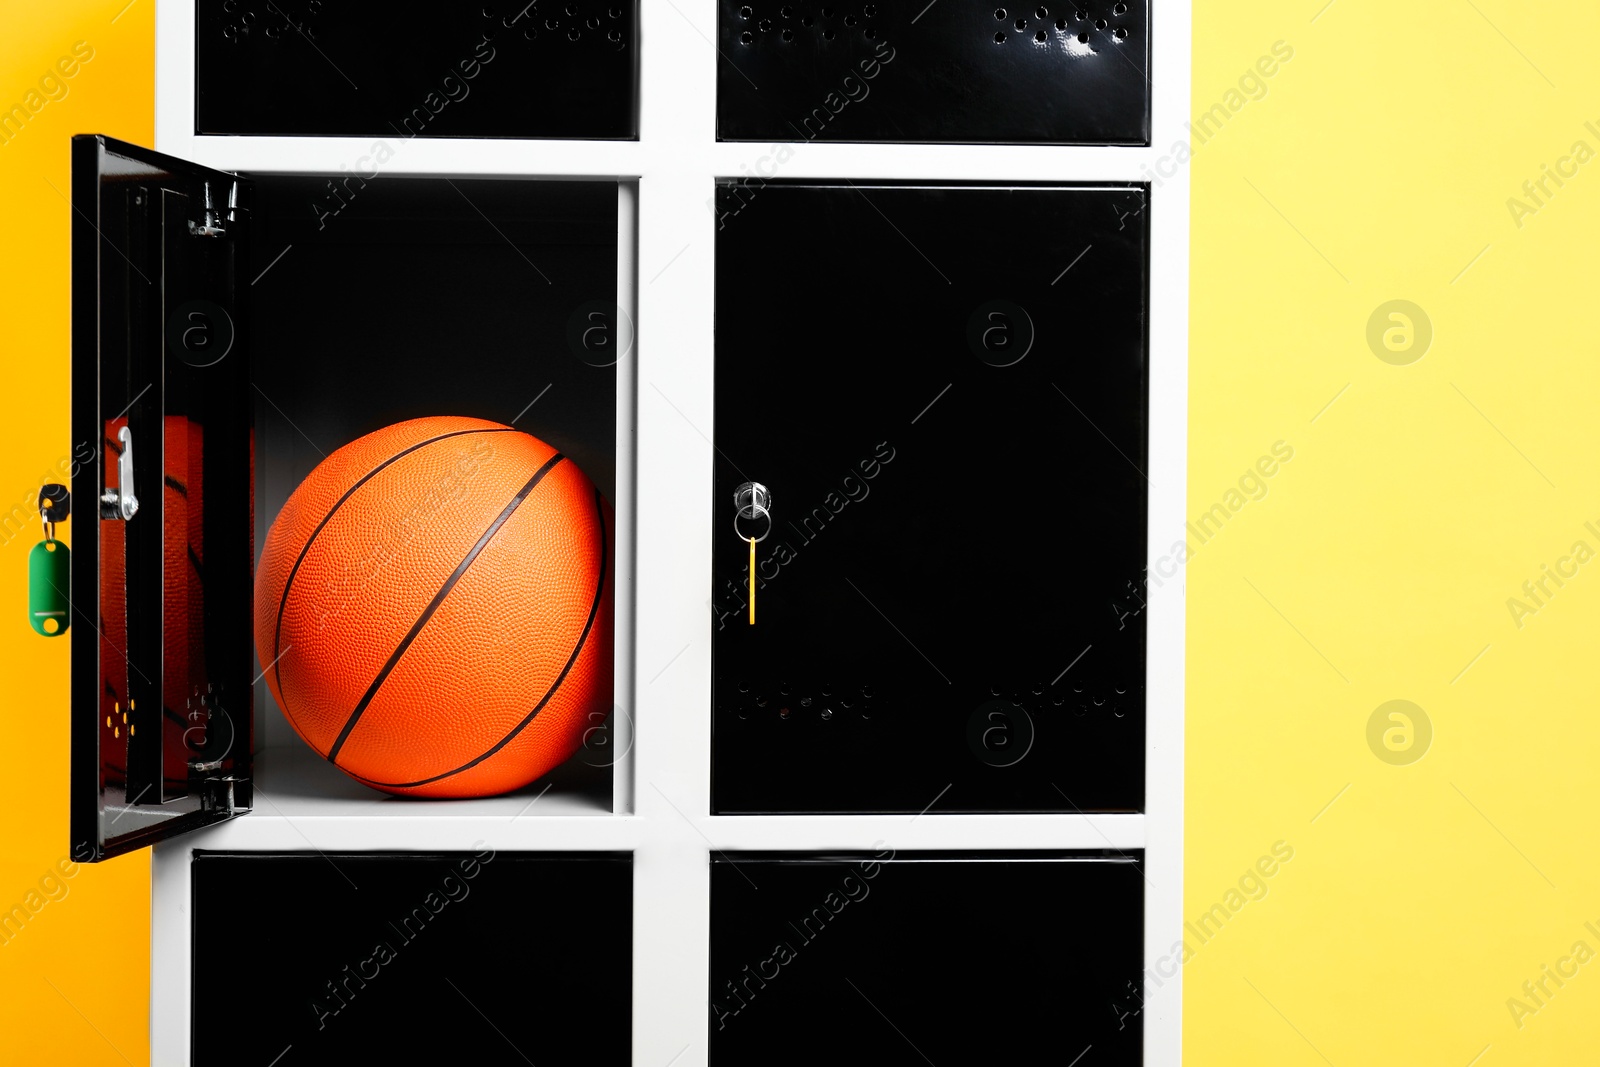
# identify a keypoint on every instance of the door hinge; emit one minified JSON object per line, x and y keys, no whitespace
{"x":219,"y":795}
{"x":211,"y":221}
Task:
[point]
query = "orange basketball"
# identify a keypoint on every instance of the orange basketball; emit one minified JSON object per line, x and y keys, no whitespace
{"x":433,"y":608}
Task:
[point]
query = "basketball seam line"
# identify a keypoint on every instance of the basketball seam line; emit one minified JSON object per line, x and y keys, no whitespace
{"x":277,"y":632}
{"x":438,"y":598}
{"x":583,"y":638}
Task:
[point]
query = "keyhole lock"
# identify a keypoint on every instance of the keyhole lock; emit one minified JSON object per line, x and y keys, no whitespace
{"x":753,"y":502}
{"x":752,"y":512}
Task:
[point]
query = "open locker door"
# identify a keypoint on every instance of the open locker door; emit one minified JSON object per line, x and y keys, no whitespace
{"x":161,"y":561}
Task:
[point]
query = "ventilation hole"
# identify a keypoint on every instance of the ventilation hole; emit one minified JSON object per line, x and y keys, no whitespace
{"x":1000,"y":13}
{"x":1042,"y":13}
{"x":531,"y":34}
{"x":1120,"y":34}
{"x":1120,"y":9}
{"x":552,"y":24}
{"x":1080,"y":14}
{"x":828,"y":35}
{"x":574,"y":33}
{"x":1000,"y":38}
{"x":870,"y":11}
{"x":787,"y":12}
{"x":827,"y":12}
{"x":783,"y":713}
{"x":489,"y":32}
{"x":1061,"y":24}
{"x":1041,"y":37}
{"x":807,"y":20}
{"x":593,"y":24}
{"x":872,"y":33}
{"x":747,"y":37}
{"x":615,"y":12}
{"x":788,"y":35}
{"x":615,"y":36}
{"x":272,"y":32}
{"x":1083,"y":38}
{"x":850,"y":20}
{"x":765,"y":25}
{"x":1099,"y":24}
{"x":1022,"y":24}
{"x":746,"y":11}
{"x":572,"y":9}
{"x":233,"y":5}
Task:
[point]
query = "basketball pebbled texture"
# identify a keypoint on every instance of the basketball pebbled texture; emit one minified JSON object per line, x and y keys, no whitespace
{"x":433,"y":607}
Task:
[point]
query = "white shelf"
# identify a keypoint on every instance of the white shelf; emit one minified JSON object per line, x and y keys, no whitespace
{"x":293,"y":782}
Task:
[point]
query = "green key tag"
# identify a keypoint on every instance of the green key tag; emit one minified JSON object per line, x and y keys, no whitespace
{"x":49,"y":570}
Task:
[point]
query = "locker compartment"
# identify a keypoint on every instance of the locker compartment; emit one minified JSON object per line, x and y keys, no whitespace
{"x":232,"y":331}
{"x":506,"y":69}
{"x":440,"y":296}
{"x":922,"y":957}
{"x":962,"y":73}
{"x":474,"y":956}
{"x":942,"y":391}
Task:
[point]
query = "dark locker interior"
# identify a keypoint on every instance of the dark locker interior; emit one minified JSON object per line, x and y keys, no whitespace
{"x":405,"y":297}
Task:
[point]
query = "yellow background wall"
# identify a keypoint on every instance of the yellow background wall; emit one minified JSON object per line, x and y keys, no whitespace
{"x":75,"y":982}
{"x":1375,"y":565}
{"x":1376,"y":167}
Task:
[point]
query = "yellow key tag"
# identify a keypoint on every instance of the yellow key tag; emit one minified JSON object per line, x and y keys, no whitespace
{"x":752,"y":581}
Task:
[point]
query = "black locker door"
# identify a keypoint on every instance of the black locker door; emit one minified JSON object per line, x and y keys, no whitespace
{"x":161,"y":559}
{"x":506,"y":68}
{"x":476,"y":957}
{"x":927,"y":957}
{"x":958,"y":72}
{"x":944,"y":389}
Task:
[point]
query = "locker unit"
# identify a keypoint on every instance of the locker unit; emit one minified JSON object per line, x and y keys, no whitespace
{"x":929,"y":347}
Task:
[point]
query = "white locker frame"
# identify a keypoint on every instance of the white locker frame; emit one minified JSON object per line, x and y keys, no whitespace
{"x":664,"y":486}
